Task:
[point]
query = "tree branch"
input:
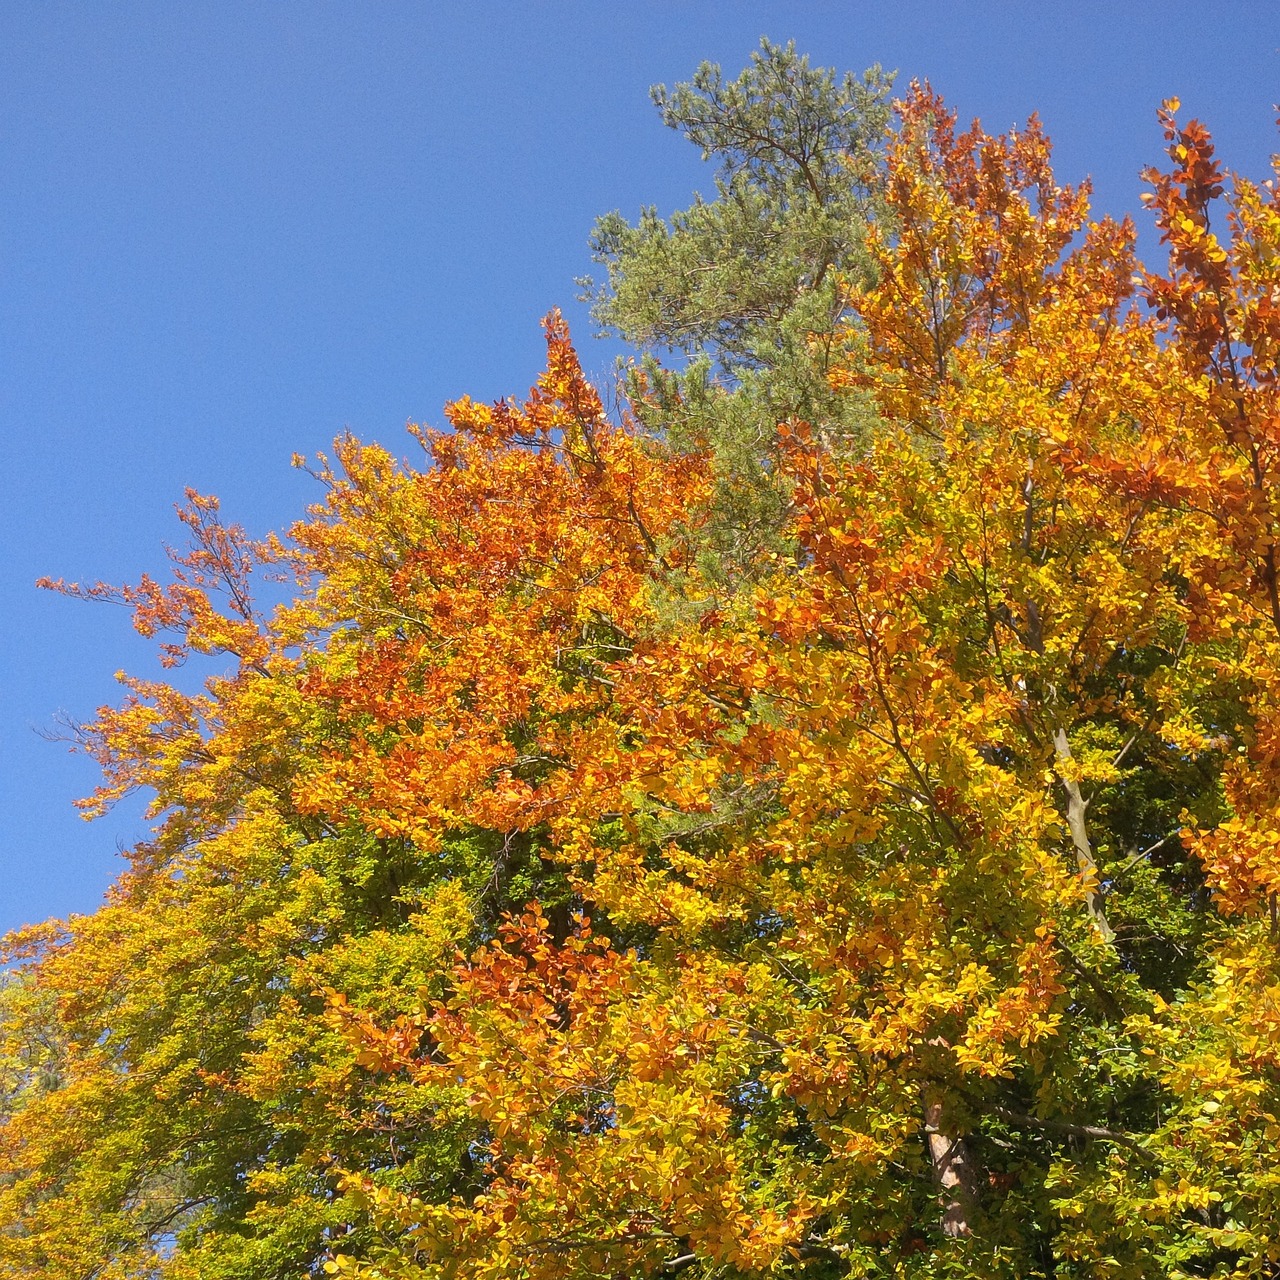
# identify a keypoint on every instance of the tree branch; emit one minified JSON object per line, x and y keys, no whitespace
{"x":1126,"y":1140}
{"x":1076,"y":808}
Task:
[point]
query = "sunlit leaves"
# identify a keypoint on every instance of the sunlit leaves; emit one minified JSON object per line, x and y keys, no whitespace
{"x":525,"y":903}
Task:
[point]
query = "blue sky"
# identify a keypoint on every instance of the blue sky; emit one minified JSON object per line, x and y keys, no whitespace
{"x":230,"y":231}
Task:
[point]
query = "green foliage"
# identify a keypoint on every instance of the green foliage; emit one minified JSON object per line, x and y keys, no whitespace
{"x":750,"y":288}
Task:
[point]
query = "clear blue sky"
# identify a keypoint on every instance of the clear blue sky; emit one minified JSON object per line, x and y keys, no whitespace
{"x":229,"y":231}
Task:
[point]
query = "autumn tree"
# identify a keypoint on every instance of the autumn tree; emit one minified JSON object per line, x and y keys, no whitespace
{"x":908,"y":909}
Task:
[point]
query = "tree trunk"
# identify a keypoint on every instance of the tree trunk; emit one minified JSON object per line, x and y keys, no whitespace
{"x":953,"y":1173}
{"x":1076,"y":807}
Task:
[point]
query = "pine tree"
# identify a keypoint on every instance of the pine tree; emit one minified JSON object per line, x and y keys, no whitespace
{"x":747,"y":290}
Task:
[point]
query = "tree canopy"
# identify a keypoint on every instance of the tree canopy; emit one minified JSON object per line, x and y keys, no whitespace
{"x":531,"y":897}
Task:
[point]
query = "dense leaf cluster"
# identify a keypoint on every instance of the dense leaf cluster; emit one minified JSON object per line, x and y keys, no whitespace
{"x":821,"y":824}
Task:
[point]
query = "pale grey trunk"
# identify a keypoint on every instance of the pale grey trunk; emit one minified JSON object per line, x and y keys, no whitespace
{"x":1077,"y":805}
{"x":953,"y":1173}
